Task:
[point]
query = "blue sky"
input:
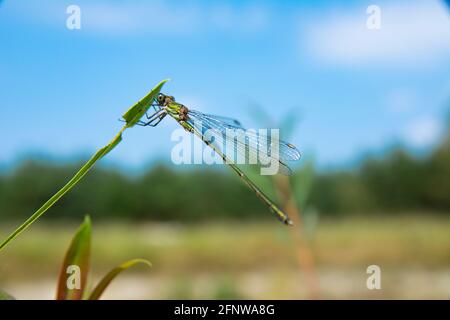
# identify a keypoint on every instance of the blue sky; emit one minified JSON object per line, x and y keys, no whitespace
{"x":354,"y":89}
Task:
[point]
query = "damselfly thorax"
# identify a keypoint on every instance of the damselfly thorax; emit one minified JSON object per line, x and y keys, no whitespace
{"x":175,"y":109}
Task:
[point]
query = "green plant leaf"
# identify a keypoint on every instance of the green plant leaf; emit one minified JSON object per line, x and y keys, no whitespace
{"x":6,"y":296}
{"x":104,"y":283}
{"x":131,"y":117}
{"x":140,"y":108}
{"x":75,"y":267}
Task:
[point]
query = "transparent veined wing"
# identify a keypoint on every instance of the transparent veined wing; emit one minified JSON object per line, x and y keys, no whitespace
{"x":224,"y":121}
{"x":246,"y":143}
{"x":287,"y":151}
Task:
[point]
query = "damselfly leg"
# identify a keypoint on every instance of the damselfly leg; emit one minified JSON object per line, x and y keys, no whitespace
{"x":154,"y":119}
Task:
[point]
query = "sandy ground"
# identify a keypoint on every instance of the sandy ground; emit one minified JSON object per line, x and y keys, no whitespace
{"x":334,"y":284}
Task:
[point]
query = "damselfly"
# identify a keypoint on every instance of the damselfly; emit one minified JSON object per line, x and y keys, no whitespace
{"x":198,"y":123}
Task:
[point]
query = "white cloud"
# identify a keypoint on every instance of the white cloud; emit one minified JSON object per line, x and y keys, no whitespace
{"x":423,"y":131}
{"x":412,"y":34}
{"x":147,"y":18}
{"x":251,"y":18}
{"x":151,"y":18}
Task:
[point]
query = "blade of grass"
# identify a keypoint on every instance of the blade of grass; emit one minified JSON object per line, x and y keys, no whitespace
{"x":104,"y":283}
{"x":78,"y":254}
{"x":131,"y":117}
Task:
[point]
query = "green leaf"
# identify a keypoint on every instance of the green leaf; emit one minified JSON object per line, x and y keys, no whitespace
{"x":5,"y":296}
{"x":104,"y":283}
{"x":140,"y":108}
{"x":75,"y":267}
{"x":131,"y":116}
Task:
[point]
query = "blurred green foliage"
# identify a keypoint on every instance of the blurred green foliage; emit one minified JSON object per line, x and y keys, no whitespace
{"x":161,"y":194}
{"x":396,"y":182}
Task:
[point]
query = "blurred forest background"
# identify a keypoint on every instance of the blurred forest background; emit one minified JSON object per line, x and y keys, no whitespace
{"x":395,"y":183}
{"x":367,"y":106}
{"x":210,"y":237}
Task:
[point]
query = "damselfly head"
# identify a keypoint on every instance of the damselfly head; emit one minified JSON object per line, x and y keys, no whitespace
{"x":163,"y":99}
{"x":160,"y":99}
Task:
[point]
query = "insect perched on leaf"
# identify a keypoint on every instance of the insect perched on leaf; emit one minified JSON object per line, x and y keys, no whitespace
{"x":198,"y":123}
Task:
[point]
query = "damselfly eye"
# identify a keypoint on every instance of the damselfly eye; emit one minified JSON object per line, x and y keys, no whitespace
{"x":160,"y":98}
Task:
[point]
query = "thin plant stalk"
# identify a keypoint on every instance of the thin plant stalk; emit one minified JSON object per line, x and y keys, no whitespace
{"x":305,"y":256}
